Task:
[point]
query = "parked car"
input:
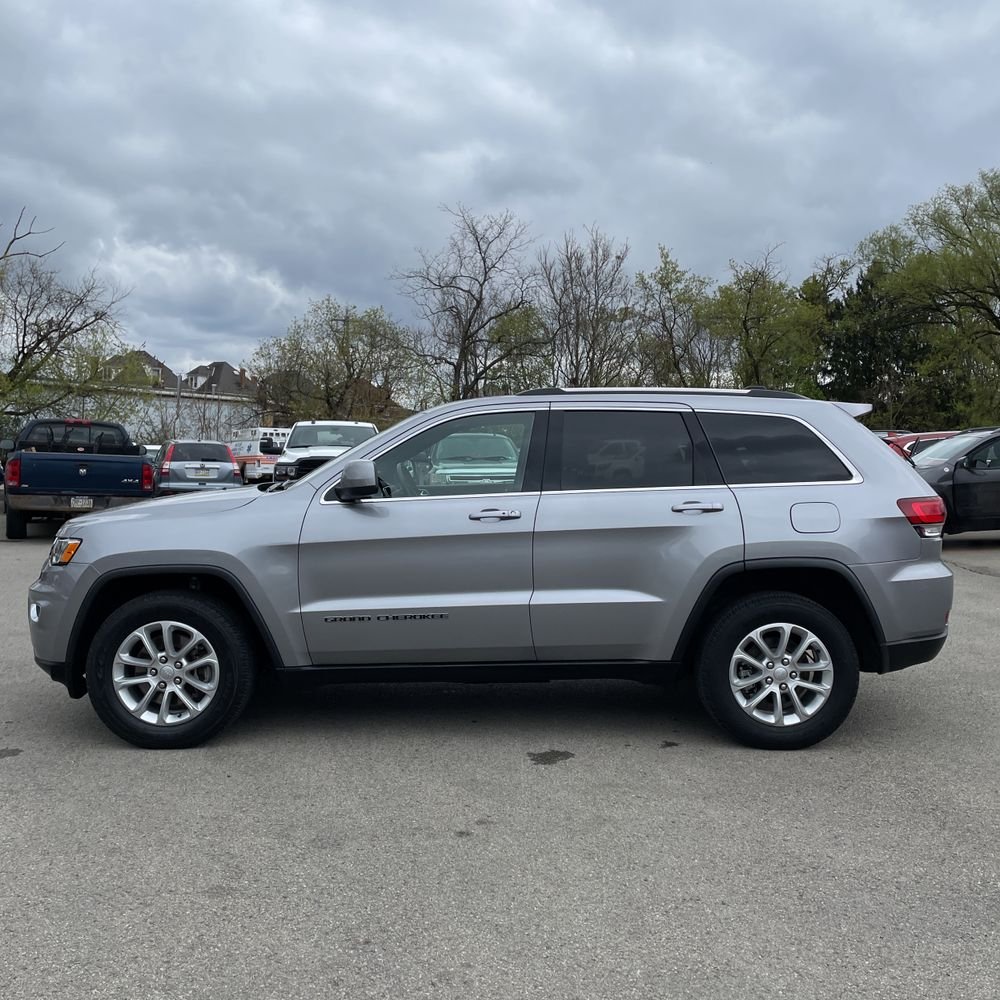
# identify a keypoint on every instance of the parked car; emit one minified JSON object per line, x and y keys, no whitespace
{"x":768,"y":546}
{"x":256,"y":450}
{"x":195,"y":467}
{"x":913,"y":444}
{"x":965,"y":472}
{"x":59,"y":468}
{"x":313,"y":443}
{"x":890,"y":434}
{"x":468,"y":459}
{"x":619,"y":461}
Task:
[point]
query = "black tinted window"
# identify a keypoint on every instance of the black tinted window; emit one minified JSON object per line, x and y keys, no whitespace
{"x":759,"y":449}
{"x":624,"y":449}
{"x":199,"y":451}
{"x":60,"y":434}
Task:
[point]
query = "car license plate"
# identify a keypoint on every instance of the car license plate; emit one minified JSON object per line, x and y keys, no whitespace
{"x":81,"y":503}
{"x":201,"y":473}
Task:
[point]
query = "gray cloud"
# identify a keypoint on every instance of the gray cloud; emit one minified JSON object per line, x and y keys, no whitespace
{"x":228,"y":161}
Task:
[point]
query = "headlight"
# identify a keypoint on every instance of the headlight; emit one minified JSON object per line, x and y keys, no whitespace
{"x":63,"y":550}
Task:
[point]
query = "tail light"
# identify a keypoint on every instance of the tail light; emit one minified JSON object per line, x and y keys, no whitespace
{"x":12,"y":473}
{"x":147,"y":477}
{"x":165,"y":465}
{"x":926,"y":514}
{"x":236,"y":469}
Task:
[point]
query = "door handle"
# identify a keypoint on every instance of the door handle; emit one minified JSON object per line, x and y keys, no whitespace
{"x":492,"y":514}
{"x":696,"y":507}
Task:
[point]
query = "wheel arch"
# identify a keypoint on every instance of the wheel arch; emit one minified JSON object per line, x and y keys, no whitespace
{"x":119,"y":586}
{"x":825,"y":581}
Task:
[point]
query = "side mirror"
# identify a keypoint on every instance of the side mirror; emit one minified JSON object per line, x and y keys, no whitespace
{"x":357,"y":481}
{"x":268,"y":447}
{"x":7,"y":444}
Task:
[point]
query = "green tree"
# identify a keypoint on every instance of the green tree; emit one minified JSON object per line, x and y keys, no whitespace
{"x":674,"y":345}
{"x":337,"y":363}
{"x":879,"y":347}
{"x":769,"y":327}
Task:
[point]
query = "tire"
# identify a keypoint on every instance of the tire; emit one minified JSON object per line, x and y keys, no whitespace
{"x":16,"y":524}
{"x":150,"y":702}
{"x":744,"y":695}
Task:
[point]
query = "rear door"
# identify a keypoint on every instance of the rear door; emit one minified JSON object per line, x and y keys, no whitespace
{"x":438,"y":572}
{"x":623,"y":550}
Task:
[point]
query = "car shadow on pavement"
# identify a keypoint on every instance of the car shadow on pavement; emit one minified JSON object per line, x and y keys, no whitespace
{"x":449,"y":707}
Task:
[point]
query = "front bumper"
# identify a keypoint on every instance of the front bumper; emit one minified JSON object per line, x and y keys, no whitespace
{"x":53,"y":605}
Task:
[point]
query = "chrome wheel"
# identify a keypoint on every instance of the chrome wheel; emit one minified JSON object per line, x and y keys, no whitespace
{"x":165,"y":672}
{"x":781,"y":674}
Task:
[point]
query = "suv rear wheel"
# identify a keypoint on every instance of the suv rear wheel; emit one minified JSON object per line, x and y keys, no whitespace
{"x":778,"y":671}
{"x":170,"y":670}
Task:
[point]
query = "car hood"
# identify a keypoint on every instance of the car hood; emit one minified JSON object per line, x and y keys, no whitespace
{"x":199,"y":504}
{"x":288,"y":457}
{"x":935,"y":471}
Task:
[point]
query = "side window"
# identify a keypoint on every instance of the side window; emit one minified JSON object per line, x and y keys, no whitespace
{"x":987,"y":457}
{"x":470,"y":455}
{"x":752,"y":448}
{"x":623,"y":449}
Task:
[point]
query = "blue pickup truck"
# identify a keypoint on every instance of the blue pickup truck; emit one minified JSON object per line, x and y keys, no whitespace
{"x":55,"y":469}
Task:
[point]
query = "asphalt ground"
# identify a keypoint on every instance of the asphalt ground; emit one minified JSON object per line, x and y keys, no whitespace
{"x":564,"y":840}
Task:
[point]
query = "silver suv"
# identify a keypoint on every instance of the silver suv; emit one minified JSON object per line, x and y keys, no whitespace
{"x":193,"y":467}
{"x":764,"y":542}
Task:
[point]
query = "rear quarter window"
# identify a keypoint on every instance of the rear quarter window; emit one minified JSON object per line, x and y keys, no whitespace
{"x":753,"y":448}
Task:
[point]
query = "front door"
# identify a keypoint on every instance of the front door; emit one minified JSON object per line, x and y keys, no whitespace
{"x":977,"y":487}
{"x":625,"y":540}
{"x":440,"y":570}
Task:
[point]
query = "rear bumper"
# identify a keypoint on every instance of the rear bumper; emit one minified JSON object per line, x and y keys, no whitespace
{"x":59,"y":506}
{"x":898,"y":655}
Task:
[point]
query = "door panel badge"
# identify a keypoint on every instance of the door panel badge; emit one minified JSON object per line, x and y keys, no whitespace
{"x":431,"y":616}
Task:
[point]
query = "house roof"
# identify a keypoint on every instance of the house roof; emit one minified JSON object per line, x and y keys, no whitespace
{"x":221,"y":377}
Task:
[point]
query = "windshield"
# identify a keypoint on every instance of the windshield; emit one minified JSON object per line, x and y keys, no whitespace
{"x":319,"y":436}
{"x":476,"y":447}
{"x":947,"y":450}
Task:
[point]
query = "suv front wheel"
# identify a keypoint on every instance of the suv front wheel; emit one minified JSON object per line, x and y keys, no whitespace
{"x":169,"y":670}
{"x":778,"y":671}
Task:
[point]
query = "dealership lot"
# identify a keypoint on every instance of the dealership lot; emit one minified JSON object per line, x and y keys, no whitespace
{"x":561,"y":840}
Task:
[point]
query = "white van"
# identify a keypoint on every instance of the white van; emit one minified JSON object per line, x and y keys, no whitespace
{"x":313,"y":443}
{"x":247,"y":447}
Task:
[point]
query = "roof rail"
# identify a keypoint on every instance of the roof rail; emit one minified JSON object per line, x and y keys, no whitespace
{"x":756,"y":391}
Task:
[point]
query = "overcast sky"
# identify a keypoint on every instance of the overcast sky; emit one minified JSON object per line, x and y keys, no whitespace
{"x":228,"y":160}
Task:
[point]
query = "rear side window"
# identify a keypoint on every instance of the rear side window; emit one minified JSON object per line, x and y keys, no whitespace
{"x":199,"y":451}
{"x":624,"y":449}
{"x":752,"y":448}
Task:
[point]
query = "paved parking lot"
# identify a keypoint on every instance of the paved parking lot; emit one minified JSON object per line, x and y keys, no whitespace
{"x":569,"y":840}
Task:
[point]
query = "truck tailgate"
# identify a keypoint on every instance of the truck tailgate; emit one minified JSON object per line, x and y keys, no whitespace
{"x":81,"y":475}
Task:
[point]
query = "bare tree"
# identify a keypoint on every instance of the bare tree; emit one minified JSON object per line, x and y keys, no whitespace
{"x":586,"y":306}
{"x":15,"y":246}
{"x":47,"y":326}
{"x":465,"y":293}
